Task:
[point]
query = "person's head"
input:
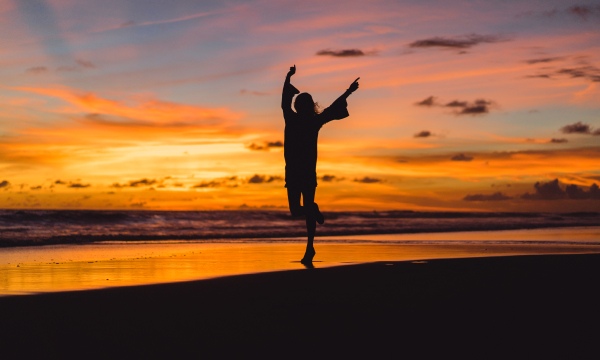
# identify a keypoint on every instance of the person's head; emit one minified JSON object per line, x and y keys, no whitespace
{"x":305,"y":105}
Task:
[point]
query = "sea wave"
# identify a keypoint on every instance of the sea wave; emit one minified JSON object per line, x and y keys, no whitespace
{"x":40,"y":227}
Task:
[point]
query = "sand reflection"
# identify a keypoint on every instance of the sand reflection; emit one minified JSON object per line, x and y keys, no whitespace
{"x":78,"y":267}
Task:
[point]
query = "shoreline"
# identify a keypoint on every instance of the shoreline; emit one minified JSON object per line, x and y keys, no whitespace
{"x":60,"y":268}
{"x":506,"y":303}
{"x":87,"y":239}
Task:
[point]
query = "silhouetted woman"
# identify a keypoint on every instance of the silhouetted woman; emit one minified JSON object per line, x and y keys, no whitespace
{"x":300,"y":151}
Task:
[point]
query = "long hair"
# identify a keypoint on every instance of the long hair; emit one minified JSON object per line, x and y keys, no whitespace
{"x":305,"y":104}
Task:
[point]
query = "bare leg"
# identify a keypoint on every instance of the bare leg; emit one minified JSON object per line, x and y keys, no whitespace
{"x":294,"y":202}
{"x":298,"y":210}
{"x":308,"y":198}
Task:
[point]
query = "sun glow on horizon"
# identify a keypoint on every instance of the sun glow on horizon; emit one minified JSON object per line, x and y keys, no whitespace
{"x":177,"y":107}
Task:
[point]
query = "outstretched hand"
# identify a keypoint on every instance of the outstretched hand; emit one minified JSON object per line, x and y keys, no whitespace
{"x":354,"y":85}
{"x":292,"y":70}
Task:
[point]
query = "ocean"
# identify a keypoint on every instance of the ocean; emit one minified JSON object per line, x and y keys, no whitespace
{"x":45,"y":227}
{"x":96,"y":249}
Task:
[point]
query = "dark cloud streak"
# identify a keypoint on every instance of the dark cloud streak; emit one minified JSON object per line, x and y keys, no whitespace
{"x":577,"y":128}
{"x":207,"y":184}
{"x":498,"y":196}
{"x":267,"y":145}
{"x":587,"y":72}
{"x":260,"y":179}
{"x":456,"y":103}
{"x":422,"y":134}
{"x":461,"y":157}
{"x":463,"y":42}
{"x":583,"y":11}
{"x":544,"y":60}
{"x":430,"y":101}
{"x":341,"y":53}
{"x":330,"y":178}
{"x":478,"y":107}
{"x":368,"y":180}
{"x":78,"y":185}
{"x":135,"y":183}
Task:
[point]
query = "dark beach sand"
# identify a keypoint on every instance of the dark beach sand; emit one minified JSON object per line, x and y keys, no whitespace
{"x":514,"y":306}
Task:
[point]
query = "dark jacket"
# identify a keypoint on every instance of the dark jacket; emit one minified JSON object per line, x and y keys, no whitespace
{"x":301,"y":135}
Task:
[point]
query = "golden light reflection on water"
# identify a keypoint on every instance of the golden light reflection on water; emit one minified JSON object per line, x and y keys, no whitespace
{"x":77,"y":267}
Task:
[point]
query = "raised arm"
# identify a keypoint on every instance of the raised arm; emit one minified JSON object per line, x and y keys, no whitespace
{"x":350,"y":90}
{"x":338,"y":109}
{"x":288,"y":90}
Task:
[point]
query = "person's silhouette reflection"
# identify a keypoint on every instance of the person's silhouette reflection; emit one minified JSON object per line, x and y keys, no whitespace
{"x":300,"y":150}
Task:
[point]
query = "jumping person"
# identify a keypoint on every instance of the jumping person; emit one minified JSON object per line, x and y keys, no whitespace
{"x":300,"y":151}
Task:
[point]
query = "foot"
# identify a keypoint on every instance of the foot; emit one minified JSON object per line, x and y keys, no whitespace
{"x":308,"y":256}
{"x":319,"y":217}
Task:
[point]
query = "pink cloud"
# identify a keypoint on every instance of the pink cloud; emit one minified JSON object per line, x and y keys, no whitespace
{"x":143,"y":108}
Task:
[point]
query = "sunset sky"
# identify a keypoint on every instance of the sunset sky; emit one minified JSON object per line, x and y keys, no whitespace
{"x":463,"y":105}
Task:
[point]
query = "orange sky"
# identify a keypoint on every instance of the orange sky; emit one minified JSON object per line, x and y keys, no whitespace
{"x":461,"y":106}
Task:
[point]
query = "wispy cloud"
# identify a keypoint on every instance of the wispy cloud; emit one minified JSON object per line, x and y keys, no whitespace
{"x":459,"y":42}
{"x":456,"y":103}
{"x":497,"y":196}
{"x":461,"y":157}
{"x":477,"y":107}
{"x":577,"y":128}
{"x":544,"y":60}
{"x":330,"y":178}
{"x":341,"y":53}
{"x":78,"y":185}
{"x":136,"y":183}
{"x":423,"y":134}
{"x":480,"y":106}
{"x":584,"y":11}
{"x":538,"y":76}
{"x":230,"y":182}
{"x":167,"y":21}
{"x":368,"y":180}
{"x":248,"y":92}
{"x":589,"y":72}
{"x":145,"y":110}
{"x":259,"y":179}
{"x":581,"y":71}
{"x":266,"y":146}
{"x":139,"y":204}
{"x":207,"y":184}
{"x":79,"y":65}
{"x":430,"y":101}
{"x":37,"y":70}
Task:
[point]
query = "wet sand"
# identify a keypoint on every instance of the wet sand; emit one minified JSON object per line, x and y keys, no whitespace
{"x":517,"y":306}
{"x":31,"y":270}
